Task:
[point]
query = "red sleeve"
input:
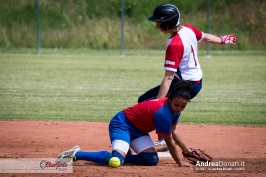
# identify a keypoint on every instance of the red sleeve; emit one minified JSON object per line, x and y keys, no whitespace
{"x":174,"y":53}
{"x":197,"y":32}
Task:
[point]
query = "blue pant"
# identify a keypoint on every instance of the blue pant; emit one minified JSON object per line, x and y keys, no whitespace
{"x":152,"y":93}
{"x":121,"y":129}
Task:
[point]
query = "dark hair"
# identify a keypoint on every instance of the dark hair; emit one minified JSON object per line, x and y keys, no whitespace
{"x":182,"y":89}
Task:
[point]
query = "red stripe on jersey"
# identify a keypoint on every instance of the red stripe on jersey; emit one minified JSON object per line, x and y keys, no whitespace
{"x":197,"y":32}
{"x":160,"y":134}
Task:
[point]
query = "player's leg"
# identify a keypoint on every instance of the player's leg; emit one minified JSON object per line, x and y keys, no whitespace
{"x":100,"y":157}
{"x":120,"y":145}
{"x":196,"y":87}
{"x":120,"y":149}
{"x":119,"y":136}
{"x":75,"y":153}
{"x":150,"y":94}
{"x":146,"y":153}
{"x":103,"y":157}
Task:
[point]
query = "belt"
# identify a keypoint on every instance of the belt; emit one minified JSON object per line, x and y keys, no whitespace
{"x":196,"y":82}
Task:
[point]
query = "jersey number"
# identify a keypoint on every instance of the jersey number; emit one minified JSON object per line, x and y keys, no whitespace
{"x":192,"y":50}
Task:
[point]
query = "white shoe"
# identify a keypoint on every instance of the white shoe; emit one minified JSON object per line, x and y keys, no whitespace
{"x":161,"y":146}
{"x":68,"y":156}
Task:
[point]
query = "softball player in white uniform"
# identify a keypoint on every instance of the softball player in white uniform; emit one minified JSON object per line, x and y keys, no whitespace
{"x":181,"y":57}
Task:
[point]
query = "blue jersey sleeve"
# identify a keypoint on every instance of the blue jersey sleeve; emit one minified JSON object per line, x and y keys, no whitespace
{"x":163,"y":124}
{"x":164,"y":119}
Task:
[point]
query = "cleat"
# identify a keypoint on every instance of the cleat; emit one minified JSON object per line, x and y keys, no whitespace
{"x":160,"y":145}
{"x":68,"y":156}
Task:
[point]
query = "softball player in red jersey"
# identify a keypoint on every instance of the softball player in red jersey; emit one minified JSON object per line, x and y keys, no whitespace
{"x":130,"y":128}
{"x":181,"y":57}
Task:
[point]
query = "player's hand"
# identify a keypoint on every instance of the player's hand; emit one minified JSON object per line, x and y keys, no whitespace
{"x":228,"y":39}
{"x":185,"y":164}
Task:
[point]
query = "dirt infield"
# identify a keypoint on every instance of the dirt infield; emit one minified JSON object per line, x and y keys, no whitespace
{"x":46,"y":139}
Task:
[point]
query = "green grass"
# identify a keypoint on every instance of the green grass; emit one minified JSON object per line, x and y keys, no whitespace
{"x":93,"y":85}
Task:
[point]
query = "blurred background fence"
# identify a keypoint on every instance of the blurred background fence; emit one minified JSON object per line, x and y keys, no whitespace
{"x":96,"y":24}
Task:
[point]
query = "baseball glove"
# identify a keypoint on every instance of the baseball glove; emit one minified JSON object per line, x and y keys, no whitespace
{"x":197,"y":155}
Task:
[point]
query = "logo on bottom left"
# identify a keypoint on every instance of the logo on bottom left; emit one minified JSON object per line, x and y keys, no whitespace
{"x":48,"y":165}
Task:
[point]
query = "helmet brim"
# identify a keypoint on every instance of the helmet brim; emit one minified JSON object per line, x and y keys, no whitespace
{"x":154,"y":19}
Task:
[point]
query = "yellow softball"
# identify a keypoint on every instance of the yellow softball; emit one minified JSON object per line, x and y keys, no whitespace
{"x":114,"y":162}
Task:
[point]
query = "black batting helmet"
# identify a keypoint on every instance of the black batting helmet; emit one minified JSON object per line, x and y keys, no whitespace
{"x":168,"y":14}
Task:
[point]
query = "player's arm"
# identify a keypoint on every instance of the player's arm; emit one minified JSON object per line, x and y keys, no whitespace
{"x":165,"y":85}
{"x":174,"y":153}
{"x":178,"y":140}
{"x":227,"y":39}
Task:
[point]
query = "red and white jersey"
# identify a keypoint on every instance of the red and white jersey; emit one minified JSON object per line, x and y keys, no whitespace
{"x":182,"y":53}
